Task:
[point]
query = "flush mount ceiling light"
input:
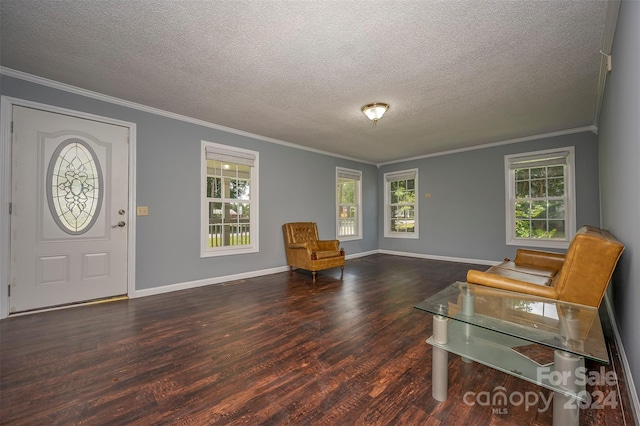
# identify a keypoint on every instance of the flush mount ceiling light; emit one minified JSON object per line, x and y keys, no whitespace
{"x":375,"y":111}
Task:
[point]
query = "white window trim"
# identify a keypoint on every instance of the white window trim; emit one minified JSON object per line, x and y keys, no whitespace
{"x":254,"y":247}
{"x":358,"y":236}
{"x":570,"y":225}
{"x":387,"y":219}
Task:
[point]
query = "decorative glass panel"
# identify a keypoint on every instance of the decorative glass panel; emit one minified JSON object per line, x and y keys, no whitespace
{"x":74,"y":186}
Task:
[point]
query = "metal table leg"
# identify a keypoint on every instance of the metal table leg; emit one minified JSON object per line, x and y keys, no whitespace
{"x":566,"y":410}
{"x":440,"y":360}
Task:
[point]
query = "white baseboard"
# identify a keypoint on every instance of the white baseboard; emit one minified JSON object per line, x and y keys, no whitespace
{"x":361,"y":254}
{"x":631,"y":388}
{"x":218,"y":280}
{"x":251,"y":274}
{"x":436,"y":257}
{"x":207,"y":281}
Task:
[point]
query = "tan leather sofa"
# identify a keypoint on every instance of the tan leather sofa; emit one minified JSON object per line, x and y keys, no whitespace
{"x":580,"y":276}
{"x":306,"y":251}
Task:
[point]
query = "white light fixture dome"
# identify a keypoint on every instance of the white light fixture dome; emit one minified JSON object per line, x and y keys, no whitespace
{"x":375,"y":111}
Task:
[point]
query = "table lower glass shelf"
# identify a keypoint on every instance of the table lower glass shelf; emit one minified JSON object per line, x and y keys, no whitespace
{"x":494,"y":350}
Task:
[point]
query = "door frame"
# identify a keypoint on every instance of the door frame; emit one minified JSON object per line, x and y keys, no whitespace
{"x":6,"y":116}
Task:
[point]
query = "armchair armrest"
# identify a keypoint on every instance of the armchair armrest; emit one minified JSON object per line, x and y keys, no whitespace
{"x":543,"y":259}
{"x":496,"y":281}
{"x":298,"y":245}
{"x":310,"y":247}
{"x":328,"y":244}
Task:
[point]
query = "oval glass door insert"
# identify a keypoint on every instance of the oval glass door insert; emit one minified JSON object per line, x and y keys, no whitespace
{"x":74,"y":186}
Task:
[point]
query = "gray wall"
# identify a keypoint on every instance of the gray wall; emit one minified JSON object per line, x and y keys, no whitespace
{"x":620,"y":175}
{"x":295,"y":185}
{"x":465,"y":215}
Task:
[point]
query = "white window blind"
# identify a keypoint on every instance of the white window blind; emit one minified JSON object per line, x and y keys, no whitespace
{"x":401,"y":176}
{"x":228,"y":156}
{"x":541,"y":160}
{"x":344,"y":174}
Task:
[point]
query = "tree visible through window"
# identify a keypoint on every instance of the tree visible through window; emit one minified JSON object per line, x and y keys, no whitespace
{"x":401,"y":205}
{"x":540,"y":196}
{"x":540,"y":202}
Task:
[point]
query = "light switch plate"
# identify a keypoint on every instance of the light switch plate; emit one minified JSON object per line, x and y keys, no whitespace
{"x":143,"y":211}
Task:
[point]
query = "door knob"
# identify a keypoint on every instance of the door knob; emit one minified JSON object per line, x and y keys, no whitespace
{"x":119,"y":224}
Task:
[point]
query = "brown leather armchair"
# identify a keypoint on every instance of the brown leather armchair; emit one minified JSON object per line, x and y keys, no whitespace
{"x":580,"y":276}
{"x":306,"y":251}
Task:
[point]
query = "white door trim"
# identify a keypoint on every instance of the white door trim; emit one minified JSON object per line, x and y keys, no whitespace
{"x":6,"y":113}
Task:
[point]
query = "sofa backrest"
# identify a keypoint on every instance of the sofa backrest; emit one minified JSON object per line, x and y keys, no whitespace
{"x":589,"y":263}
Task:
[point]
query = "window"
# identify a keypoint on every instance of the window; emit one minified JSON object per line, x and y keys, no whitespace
{"x":540,"y":198}
{"x":348,"y":196}
{"x":401,"y":207}
{"x":229,"y":200}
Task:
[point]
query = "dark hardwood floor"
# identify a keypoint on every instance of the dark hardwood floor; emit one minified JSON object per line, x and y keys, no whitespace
{"x":270,"y":350}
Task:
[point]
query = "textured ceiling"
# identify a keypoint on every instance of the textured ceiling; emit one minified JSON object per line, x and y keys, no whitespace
{"x":456,"y":73}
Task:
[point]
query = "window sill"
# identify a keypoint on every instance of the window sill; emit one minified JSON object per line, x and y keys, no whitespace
{"x":531,"y":242}
{"x":348,"y":238}
{"x":229,"y":251}
{"x":412,"y":236}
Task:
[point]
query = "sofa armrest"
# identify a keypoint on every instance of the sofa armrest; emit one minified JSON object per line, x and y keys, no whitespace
{"x":496,"y":281}
{"x":542,"y":259}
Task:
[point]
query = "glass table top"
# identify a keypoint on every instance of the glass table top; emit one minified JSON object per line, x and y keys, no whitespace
{"x":560,"y":325}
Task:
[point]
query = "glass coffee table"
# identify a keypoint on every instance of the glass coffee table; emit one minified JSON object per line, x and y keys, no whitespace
{"x":543,"y":341}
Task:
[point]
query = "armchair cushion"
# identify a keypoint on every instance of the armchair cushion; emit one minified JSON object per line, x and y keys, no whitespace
{"x":581,"y":276}
{"x":326,"y":254}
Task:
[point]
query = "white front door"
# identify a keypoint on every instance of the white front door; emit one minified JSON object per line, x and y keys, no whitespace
{"x":69,"y":195}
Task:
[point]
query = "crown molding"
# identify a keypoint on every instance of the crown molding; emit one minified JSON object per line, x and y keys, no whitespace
{"x":156,"y":111}
{"x":593,"y":129}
